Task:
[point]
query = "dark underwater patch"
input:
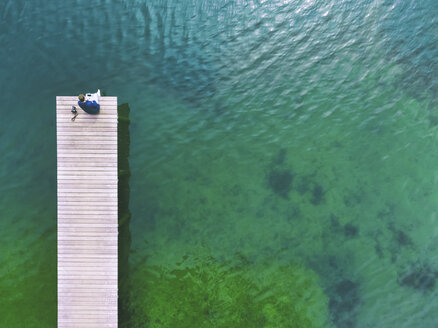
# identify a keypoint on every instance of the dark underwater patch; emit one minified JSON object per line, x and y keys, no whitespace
{"x":280,"y":181}
{"x":335,"y":226}
{"x":307,"y":184}
{"x":351,"y":230}
{"x":303,"y":184}
{"x":401,"y":238}
{"x":293,"y":213}
{"x":419,"y":277}
{"x":317,"y":195}
{"x":344,"y":303}
{"x":353,"y":198}
{"x":433,"y":120}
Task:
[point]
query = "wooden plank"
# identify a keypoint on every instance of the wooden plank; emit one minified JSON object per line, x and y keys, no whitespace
{"x":74,"y":102}
{"x":86,"y":132}
{"x":88,"y":162}
{"x":86,"y":119}
{"x":75,"y":97}
{"x":87,"y":184}
{"x":107,"y":239}
{"x":84,"y":213}
{"x":88,"y":156}
{"x":96,"y":205}
{"x":87,"y":243}
{"x":104,"y":114}
{"x":87,"y":267}
{"x":85,"y":139}
{"x":85,"y":198}
{"x":66,"y":105}
{"x":82,"y":174}
{"x":85,"y":124}
{"x":92,"y":295}
{"x":80,"y":150}
{"x":88,"y":139}
{"x":85,"y":166}
{"x":64,"y":119}
{"x":105,"y":117}
{"x":80,"y":294}
{"x":88,"y":178}
{"x":95,"y":169}
{"x":69,"y":102}
{"x":87,"y":256}
{"x":89,"y":192}
{"x":68,"y":253}
{"x":96,"y":140}
{"x":79,"y":201}
{"x":89,"y":222}
{"x":88,"y":300}
{"x":78,"y":196}
{"x":86,"y":146}
{"x":88,"y":271}
{"x":84,"y":186}
{"x":73,"y":131}
{"x":87,"y":205}
{"x":83,"y":117}
{"x":64,"y":215}
{"x":87,"y":229}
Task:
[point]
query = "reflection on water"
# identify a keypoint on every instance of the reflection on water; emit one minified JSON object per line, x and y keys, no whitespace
{"x":282,"y":158}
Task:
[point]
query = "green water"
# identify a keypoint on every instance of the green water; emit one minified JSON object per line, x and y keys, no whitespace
{"x":282,"y":158}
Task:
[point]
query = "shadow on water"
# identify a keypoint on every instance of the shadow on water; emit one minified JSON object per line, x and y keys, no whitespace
{"x":124,"y":240}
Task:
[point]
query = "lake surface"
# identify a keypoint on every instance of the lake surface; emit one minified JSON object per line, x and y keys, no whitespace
{"x":283,"y":158}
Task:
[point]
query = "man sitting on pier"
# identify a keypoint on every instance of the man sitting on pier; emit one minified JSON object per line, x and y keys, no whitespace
{"x":90,"y":104}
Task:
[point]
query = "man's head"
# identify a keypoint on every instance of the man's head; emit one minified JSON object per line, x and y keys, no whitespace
{"x":81,"y":97}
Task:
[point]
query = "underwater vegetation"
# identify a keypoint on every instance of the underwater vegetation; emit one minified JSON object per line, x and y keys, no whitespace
{"x":28,"y":284}
{"x":418,"y":276}
{"x":206,"y":293}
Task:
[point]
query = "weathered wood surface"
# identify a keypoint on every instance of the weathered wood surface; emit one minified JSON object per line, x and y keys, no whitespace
{"x":87,"y":214}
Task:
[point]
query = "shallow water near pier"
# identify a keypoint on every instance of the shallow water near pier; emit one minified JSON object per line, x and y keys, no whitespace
{"x":282,"y":156}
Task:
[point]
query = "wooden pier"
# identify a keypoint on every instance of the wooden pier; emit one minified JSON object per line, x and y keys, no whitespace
{"x":87,"y":214}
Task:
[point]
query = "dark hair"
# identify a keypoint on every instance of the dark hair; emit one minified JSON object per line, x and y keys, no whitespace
{"x":81,"y":97}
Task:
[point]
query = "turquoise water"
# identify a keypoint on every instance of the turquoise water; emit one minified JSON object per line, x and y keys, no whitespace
{"x":283,"y":158}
